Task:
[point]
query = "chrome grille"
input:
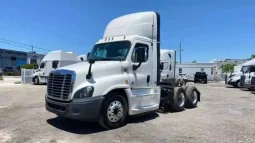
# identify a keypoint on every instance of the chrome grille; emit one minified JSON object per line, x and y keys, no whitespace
{"x":60,"y":85}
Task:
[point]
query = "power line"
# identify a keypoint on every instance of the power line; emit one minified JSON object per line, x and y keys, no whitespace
{"x":15,"y":45}
{"x":24,"y":44}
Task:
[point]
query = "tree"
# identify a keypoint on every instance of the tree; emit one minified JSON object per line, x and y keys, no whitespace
{"x":194,"y":61}
{"x":253,"y":56}
{"x":227,"y":68}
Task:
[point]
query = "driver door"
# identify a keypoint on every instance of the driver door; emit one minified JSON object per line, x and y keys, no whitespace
{"x":144,"y":95}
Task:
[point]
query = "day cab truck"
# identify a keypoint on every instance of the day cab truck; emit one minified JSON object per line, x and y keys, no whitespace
{"x":248,"y":71}
{"x":120,"y":79}
{"x":52,"y":61}
{"x":234,"y":78}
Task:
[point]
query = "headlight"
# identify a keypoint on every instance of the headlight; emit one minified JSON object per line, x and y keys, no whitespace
{"x":84,"y":92}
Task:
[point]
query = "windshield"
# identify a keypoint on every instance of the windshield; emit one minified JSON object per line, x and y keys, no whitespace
{"x":114,"y":51}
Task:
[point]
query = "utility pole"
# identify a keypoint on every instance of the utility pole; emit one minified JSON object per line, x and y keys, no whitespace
{"x":32,"y":48}
{"x":181,"y":52}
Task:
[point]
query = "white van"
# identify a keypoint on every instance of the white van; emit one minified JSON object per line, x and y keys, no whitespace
{"x":50,"y":62}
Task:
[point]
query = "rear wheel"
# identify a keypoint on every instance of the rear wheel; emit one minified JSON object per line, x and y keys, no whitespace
{"x":36,"y":80}
{"x":237,"y":84}
{"x":191,"y":97}
{"x":179,"y":99}
{"x":113,"y":112}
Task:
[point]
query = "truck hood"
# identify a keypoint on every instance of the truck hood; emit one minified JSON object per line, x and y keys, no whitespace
{"x":97,"y":68}
{"x":100,"y":70}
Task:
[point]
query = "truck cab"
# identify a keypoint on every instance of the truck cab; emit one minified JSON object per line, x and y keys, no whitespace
{"x":248,"y":71}
{"x":50,"y":62}
{"x":167,"y":61}
{"x":120,"y":78}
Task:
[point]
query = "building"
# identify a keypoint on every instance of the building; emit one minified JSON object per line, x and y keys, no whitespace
{"x":191,"y":68}
{"x":219,"y":63}
{"x":12,"y":59}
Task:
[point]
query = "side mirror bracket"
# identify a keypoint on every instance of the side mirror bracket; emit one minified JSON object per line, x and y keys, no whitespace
{"x":89,"y":75}
{"x":135,"y":67}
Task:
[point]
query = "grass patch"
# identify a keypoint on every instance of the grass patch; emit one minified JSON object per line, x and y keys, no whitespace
{"x":17,"y":82}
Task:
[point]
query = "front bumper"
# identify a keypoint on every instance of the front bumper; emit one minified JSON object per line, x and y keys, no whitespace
{"x":86,"y":110}
{"x":231,"y":82}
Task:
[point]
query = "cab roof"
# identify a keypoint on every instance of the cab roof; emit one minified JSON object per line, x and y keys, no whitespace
{"x":145,"y":24}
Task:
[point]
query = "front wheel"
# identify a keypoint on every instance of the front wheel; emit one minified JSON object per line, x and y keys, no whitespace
{"x":36,"y":80}
{"x":237,"y":84}
{"x":113,"y":112}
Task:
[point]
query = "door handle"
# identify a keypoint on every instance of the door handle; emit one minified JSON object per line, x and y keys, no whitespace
{"x":148,"y":78}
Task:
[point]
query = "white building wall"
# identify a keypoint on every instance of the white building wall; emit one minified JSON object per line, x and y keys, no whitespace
{"x":191,"y":68}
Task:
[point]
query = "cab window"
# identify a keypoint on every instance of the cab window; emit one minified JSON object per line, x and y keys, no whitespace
{"x":42,"y":65}
{"x":135,"y":54}
{"x":55,"y":64}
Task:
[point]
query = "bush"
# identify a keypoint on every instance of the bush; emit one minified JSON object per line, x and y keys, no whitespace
{"x":12,"y":74}
{"x":28,"y":66}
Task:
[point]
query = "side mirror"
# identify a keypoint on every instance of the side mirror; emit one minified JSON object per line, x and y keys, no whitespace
{"x":140,"y":52}
{"x":91,"y":61}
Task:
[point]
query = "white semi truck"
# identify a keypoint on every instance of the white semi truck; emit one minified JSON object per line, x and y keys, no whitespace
{"x":52,"y":61}
{"x":243,"y":71}
{"x":248,"y":71}
{"x":120,"y":79}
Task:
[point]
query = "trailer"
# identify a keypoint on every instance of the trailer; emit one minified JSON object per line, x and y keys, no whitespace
{"x":121,"y":77}
{"x":52,"y":61}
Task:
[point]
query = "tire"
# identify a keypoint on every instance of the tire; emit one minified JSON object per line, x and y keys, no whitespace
{"x":185,"y":88}
{"x":36,"y":80}
{"x":195,"y":81}
{"x":191,"y":97}
{"x":114,"y":103}
{"x":237,"y":84}
{"x":179,"y":99}
{"x":205,"y":82}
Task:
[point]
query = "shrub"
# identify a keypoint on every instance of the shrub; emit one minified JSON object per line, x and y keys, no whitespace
{"x":12,"y":74}
{"x":28,"y":66}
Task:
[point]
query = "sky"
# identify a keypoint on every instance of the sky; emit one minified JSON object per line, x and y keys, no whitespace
{"x":207,"y":29}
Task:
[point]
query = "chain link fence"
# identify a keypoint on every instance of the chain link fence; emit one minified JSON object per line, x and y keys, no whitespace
{"x":26,"y":76}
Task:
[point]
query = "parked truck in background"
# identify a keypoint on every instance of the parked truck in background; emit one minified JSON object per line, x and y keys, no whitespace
{"x":50,"y":62}
{"x":234,"y":78}
{"x":120,"y":79}
{"x":248,"y":71}
{"x":167,"y":61}
{"x":253,"y":83}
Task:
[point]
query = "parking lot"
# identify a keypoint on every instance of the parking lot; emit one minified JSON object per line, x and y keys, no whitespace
{"x":223,"y":115}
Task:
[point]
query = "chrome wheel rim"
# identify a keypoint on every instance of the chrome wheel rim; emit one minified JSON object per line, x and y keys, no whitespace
{"x":194,"y":97}
{"x":181,"y":99}
{"x":115,"y":111}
